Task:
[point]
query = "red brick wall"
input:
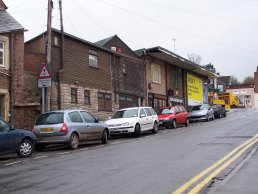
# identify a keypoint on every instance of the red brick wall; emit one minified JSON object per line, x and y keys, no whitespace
{"x":31,"y":61}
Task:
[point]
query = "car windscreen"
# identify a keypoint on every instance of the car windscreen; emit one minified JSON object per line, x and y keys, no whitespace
{"x":166,"y":111}
{"x":125,"y":114}
{"x":50,"y":118}
{"x":199,"y":107}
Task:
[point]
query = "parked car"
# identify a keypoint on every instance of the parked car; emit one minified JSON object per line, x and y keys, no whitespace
{"x":16,"y":140}
{"x":68,"y":127}
{"x":133,"y":120}
{"x":201,"y":112}
{"x":170,"y":116}
{"x":219,"y":110}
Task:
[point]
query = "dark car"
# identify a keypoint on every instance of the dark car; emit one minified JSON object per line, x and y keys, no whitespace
{"x":219,"y":110}
{"x":16,"y":140}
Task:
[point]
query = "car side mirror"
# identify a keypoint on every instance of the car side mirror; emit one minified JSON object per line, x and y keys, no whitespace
{"x":12,"y":126}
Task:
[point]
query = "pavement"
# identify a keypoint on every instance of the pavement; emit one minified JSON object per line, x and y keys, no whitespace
{"x":243,"y":180}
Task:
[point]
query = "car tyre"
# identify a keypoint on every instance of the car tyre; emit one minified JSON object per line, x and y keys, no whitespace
{"x":40,"y":147}
{"x":173,"y":124}
{"x":104,"y":138}
{"x":137,"y":130}
{"x":155,"y":128}
{"x":187,"y":122}
{"x":25,"y":149}
{"x":73,"y":142}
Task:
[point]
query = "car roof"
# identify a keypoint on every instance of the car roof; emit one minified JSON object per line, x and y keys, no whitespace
{"x":66,"y":110}
{"x":170,"y":106}
{"x":136,"y":107}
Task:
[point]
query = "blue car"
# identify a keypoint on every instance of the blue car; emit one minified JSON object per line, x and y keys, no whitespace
{"x":16,"y":140}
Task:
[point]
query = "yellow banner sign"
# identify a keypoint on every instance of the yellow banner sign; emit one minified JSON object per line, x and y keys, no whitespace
{"x":194,"y":90}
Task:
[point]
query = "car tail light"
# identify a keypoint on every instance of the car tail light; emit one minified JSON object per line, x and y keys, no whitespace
{"x":64,"y":128}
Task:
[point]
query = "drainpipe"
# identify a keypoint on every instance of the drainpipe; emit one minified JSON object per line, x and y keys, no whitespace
{"x":11,"y":79}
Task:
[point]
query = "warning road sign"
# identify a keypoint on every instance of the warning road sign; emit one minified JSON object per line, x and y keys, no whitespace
{"x":44,"y":72}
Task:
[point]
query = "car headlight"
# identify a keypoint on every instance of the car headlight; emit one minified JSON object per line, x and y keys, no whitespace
{"x":166,"y":119}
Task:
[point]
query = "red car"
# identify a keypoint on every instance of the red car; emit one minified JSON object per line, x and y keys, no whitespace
{"x":170,"y":116}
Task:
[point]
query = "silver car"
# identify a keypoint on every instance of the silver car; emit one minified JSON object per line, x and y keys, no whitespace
{"x":201,"y":112}
{"x":69,"y":127}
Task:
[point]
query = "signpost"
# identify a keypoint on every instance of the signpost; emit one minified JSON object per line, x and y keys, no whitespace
{"x":44,"y":81}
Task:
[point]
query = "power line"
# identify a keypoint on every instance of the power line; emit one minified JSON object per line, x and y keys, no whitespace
{"x":176,"y":28}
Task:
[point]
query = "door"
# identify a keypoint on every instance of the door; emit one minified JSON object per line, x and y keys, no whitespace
{"x":149,"y":118}
{"x":92,"y":127}
{"x":143,"y":120}
{"x":9,"y":139}
{"x":77,"y":124}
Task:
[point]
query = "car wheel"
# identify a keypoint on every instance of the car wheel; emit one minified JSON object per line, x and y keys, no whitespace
{"x":137,"y":130}
{"x":73,"y":142}
{"x":213,"y":117}
{"x":187,"y":122}
{"x":40,"y":147}
{"x":104,"y":138}
{"x":173,"y":124}
{"x":25,"y":149}
{"x":225,"y":114}
{"x":155,"y":128}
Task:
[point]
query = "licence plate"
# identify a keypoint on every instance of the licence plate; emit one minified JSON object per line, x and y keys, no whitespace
{"x":47,"y":130}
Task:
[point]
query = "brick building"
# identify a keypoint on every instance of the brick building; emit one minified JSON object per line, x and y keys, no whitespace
{"x":95,"y":77}
{"x":13,"y":96}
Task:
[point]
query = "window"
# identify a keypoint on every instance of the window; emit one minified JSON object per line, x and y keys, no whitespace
{"x":147,"y":111}
{"x":75,"y":117}
{"x":56,"y":41}
{"x":93,"y":59}
{"x":86,"y":96}
{"x":1,"y":54}
{"x":104,"y":101}
{"x":175,"y":77}
{"x":73,"y":95}
{"x":88,"y":118}
{"x":155,"y":73}
{"x":142,"y":112}
{"x":4,"y":126}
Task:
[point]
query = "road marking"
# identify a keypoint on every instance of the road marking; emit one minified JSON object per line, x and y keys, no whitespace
{"x":206,"y":171}
{"x":12,"y":163}
{"x":39,"y":157}
{"x":62,"y":153}
{"x":197,"y":188}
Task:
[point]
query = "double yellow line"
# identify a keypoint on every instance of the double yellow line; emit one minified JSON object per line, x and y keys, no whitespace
{"x":227,"y":160}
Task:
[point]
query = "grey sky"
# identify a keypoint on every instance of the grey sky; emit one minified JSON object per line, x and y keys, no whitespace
{"x":223,"y":32}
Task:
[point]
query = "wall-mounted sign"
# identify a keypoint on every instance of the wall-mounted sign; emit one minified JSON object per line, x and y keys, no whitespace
{"x":194,"y":90}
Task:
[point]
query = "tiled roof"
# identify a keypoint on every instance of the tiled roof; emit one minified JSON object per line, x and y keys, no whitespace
{"x":104,"y":41}
{"x":8,"y":23}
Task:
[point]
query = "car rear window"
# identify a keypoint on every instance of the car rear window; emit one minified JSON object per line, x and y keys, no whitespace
{"x":50,"y":118}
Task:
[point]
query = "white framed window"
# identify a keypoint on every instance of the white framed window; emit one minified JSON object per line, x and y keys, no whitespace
{"x":155,"y":73}
{"x":93,"y":59}
{"x":1,"y":54}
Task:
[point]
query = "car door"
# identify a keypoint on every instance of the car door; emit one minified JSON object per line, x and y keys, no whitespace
{"x":9,"y":140}
{"x":177,"y":114}
{"x":77,"y":124}
{"x":143,"y":119}
{"x":93,"y":129}
{"x":181,"y":116}
{"x":149,"y":118}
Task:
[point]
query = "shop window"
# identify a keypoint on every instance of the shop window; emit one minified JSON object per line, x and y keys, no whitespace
{"x":74,"y":95}
{"x":1,"y":54}
{"x":104,"y":101}
{"x":93,"y":59}
{"x":155,"y":73}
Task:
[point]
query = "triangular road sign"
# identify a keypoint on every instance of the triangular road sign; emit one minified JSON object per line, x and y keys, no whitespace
{"x":44,"y":72}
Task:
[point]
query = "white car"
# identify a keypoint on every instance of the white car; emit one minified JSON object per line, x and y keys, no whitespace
{"x":133,"y":120}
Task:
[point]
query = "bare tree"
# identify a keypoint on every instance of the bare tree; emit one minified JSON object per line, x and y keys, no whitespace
{"x":248,"y":80}
{"x":234,"y":80}
{"x":195,"y":58}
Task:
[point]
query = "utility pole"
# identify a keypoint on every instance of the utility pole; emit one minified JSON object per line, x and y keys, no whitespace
{"x":61,"y":57}
{"x":46,"y":91}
